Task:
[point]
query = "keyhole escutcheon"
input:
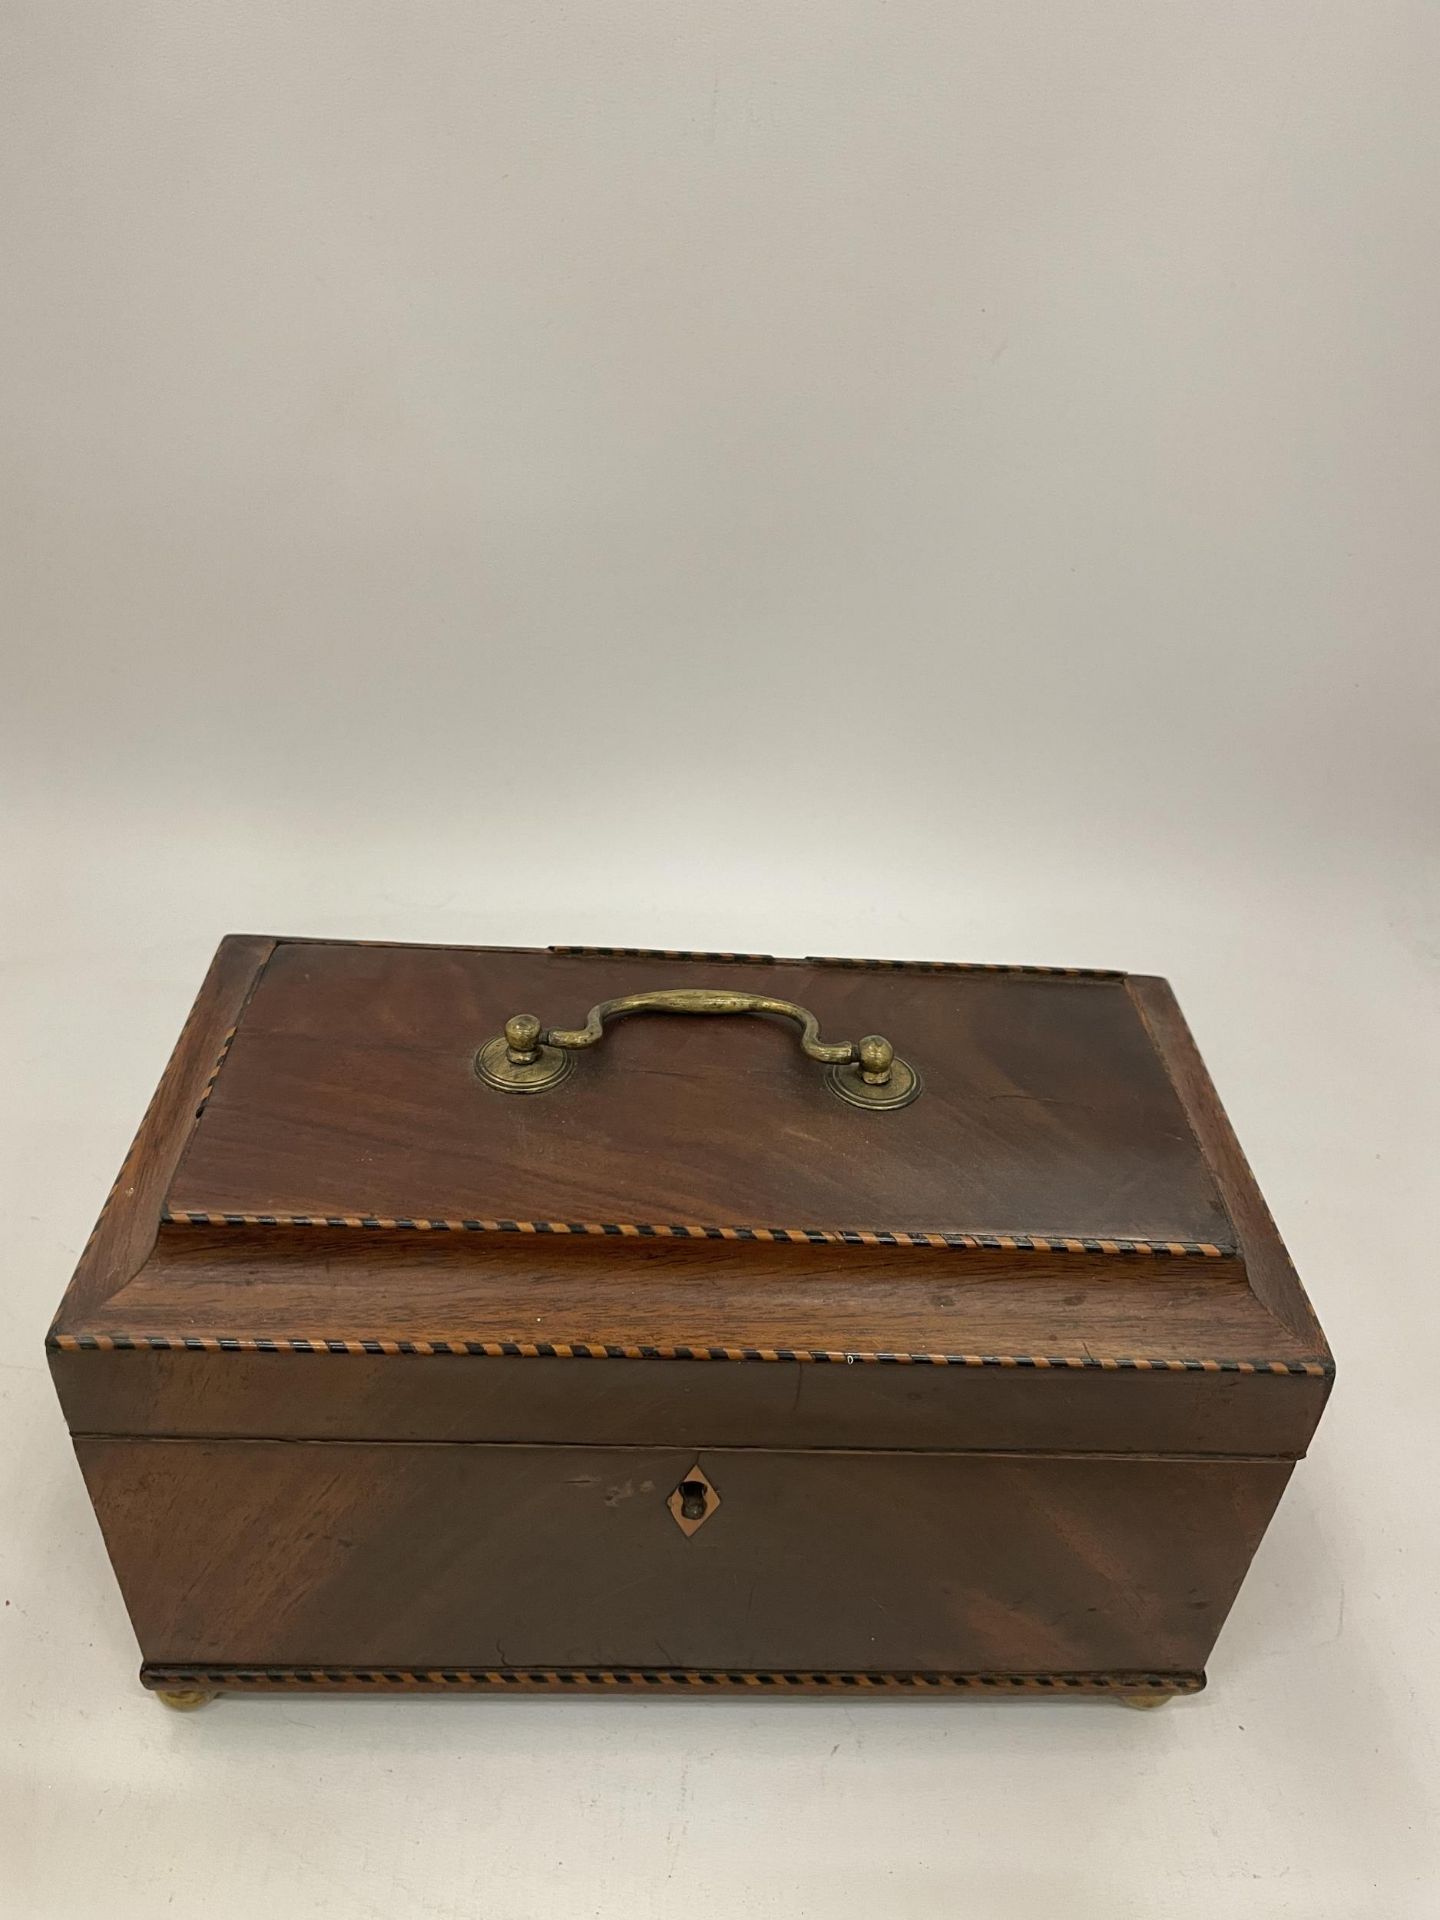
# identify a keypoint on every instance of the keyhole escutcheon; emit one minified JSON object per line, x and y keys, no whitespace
{"x":693,"y":1501}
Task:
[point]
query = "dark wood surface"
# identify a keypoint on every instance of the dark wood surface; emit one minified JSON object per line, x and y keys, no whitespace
{"x":1078,"y":1488}
{"x":265,"y":1553}
{"x":350,"y":1089}
{"x":142,"y":1282}
{"x":508,"y":1287}
{"x":130,"y":1219}
{"x":277,"y":1281}
{"x":1269,"y":1273}
{"x":659,"y":1402}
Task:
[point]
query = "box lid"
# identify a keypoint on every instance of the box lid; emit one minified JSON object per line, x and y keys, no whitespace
{"x":329,"y":1167}
{"x":1043,"y":1113}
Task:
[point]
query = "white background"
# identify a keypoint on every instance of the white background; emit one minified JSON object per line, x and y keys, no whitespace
{"x":948,"y":479}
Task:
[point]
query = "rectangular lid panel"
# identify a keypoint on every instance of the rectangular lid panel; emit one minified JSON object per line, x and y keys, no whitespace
{"x":349,"y":1091}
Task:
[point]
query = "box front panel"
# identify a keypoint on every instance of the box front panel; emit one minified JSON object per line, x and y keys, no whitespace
{"x":430,"y":1556}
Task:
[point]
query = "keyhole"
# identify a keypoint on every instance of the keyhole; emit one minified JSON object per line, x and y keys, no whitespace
{"x":693,"y":1498}
{"x":693,"y":1502}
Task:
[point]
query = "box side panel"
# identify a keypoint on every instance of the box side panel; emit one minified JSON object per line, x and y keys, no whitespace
{"x":1269,"y":1270}
{"x":125,"y":1232}
{"x":430,"y":1557}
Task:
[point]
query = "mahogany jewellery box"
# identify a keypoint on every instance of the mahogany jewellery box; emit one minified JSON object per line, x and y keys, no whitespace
{"x":458,"y":1322}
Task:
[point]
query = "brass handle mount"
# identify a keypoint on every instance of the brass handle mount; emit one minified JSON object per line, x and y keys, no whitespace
{"x":530,"y":1058}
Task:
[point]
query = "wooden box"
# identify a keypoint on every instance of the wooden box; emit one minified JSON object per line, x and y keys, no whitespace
{"x":418,"y":1350}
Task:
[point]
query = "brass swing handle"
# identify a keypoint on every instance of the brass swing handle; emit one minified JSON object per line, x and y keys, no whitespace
{"x":529,"y":1058}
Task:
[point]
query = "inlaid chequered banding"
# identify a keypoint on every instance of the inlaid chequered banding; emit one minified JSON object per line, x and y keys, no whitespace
{"x":591,"y":1350}
{"x":660,"y":1679}
{"x":794,"y":1236}
{"x":209,"y":1087}
{"x":834,"y":960}
{"x":965,"y":966}
{"x":662,"y":953}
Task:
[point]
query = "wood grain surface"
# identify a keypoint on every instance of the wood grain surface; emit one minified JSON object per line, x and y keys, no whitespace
{"x":350,"y":1089}
{"x":263,"y":1553}
{"x":347,"y":1447}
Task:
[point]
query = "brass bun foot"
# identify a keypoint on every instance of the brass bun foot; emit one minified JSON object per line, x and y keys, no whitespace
{"x":1140,"y":1701}
{"x":185,"y":1699}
